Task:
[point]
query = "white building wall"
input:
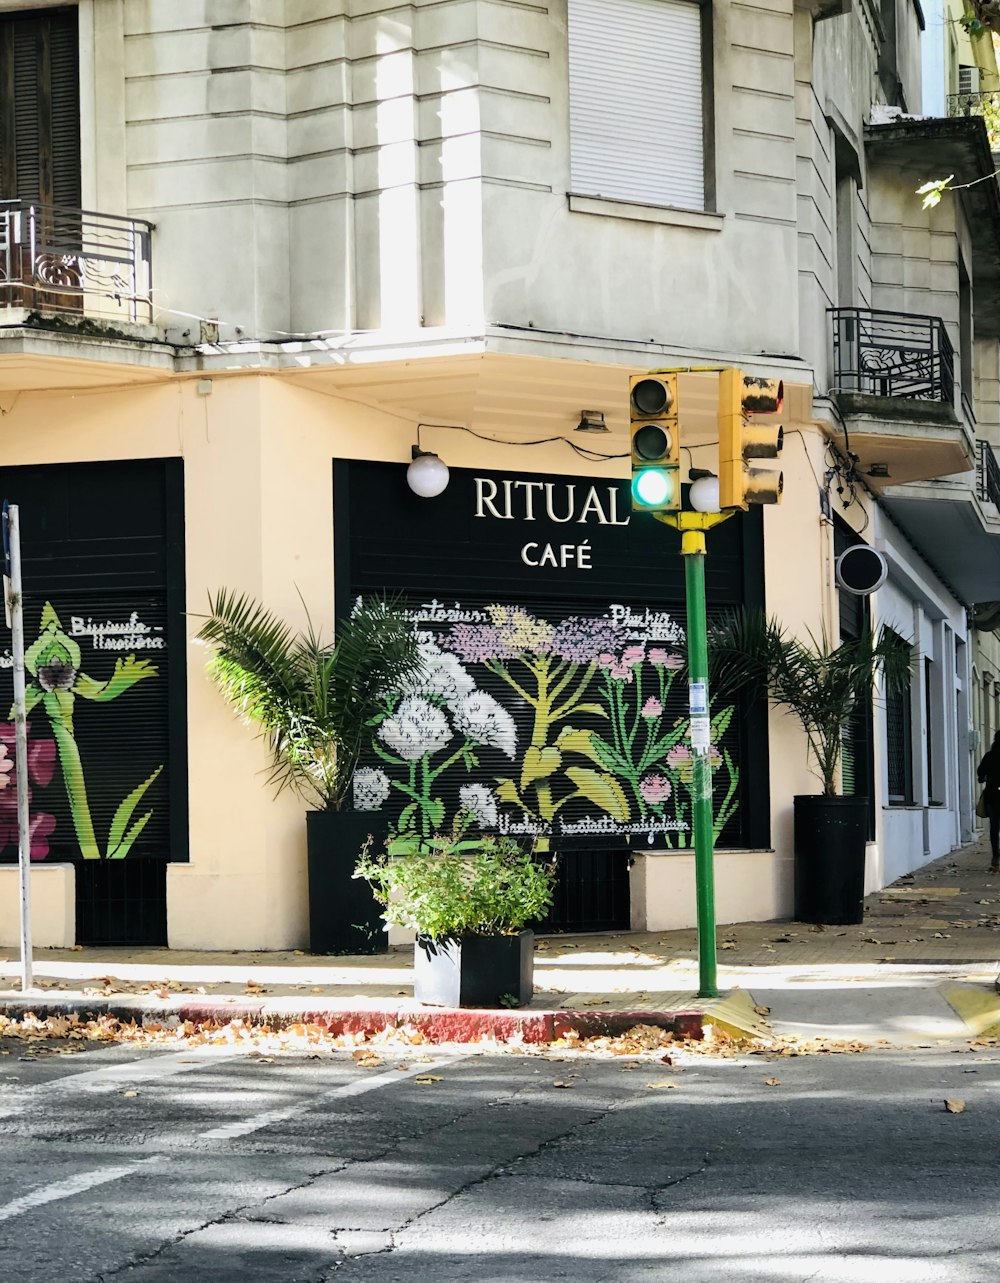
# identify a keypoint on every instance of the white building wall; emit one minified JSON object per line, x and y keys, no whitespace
{"x":917,"y":605}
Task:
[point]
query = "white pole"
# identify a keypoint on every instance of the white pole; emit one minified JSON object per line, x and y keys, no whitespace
{"x":20,"y":743}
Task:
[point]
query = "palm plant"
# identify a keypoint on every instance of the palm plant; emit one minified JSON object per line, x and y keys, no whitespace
{"x":313,"y":701}
{"x":820,"y":683}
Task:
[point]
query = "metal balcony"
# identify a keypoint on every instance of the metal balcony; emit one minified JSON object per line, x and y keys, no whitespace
{"x":987,"y":474}
{"x":57,"y":259}
{"x":986,"y":105}
{"x":892,"y":354}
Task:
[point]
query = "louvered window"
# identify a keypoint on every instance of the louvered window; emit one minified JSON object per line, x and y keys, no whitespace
{"x":636,"y":107}
{"x":40,"y":108}
{"x":968,"y":80}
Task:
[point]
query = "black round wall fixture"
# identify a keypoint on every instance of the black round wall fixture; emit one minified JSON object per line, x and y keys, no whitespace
{"x":861,"y":570}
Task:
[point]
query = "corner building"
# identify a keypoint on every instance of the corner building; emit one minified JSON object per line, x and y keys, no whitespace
{"x":252,"y":254}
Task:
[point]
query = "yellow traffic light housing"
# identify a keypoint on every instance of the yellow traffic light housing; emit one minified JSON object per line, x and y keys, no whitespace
{"x":740,"y":397}
{"x":656,"y":447}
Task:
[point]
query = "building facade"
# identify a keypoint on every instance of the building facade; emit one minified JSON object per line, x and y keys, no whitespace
{"x":251,"y":255}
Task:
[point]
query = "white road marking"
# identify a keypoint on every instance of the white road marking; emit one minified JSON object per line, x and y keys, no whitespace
{"x":244,"y":1126}
{"x":78,"y":1184}
{"x":112,"y":1076}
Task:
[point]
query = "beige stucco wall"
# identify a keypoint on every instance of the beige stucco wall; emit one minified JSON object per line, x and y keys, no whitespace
{"x":258,"y":518}
{"x":53,"y":906}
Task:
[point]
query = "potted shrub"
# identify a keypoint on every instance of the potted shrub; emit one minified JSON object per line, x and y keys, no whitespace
{"x":314,"y":702}
{"x":823,"y":685}
{"x":469,"y":898}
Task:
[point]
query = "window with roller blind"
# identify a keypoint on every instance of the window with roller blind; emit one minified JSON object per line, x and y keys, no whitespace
{"x":40,"y":107}
{"x":637,"y":87}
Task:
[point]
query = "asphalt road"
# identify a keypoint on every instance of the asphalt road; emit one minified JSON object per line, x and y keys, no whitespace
{"x":167,"y":1167}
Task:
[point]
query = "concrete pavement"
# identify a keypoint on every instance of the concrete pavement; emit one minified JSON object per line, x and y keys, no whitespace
{"x":920,"y":968}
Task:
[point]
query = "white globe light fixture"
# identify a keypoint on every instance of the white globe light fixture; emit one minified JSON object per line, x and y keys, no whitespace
{"x":704,"y":494}
{"x":427,"y":475}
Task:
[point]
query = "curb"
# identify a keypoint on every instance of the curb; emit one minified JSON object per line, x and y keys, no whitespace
{"x":436,"y":1024}
{"x":976,"y":1005}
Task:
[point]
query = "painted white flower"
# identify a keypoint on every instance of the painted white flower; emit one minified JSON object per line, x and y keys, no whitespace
{"x":371,"y":789}
{"x":440,"y":674}
{"x":480,"y":800}
{"x":415,"y":728}
{"x":484,"y":720}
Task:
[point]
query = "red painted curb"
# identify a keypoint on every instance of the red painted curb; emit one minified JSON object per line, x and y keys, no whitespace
{"x":603,"y":1024}
{"x":436,"y":1024}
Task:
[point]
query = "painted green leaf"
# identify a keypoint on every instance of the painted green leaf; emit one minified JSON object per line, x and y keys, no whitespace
{"x":539,"y":763}
{"x":116,"y":834}
{"x":127,"y":672}
{"x":130,"y":837}
{"x":571,"y":740}
{"x":596,"y":710}
{"x":601,"y":789}
{"x":720,"y":722}
{"x":507,"y":792}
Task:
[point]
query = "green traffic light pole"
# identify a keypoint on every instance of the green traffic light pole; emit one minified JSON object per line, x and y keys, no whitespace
{"x":692,"y":526}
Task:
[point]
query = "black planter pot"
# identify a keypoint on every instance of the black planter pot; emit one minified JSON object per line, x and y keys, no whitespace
{"x":475,"y":971}
{"x":344,"y":916}
{"x":830,"y":836}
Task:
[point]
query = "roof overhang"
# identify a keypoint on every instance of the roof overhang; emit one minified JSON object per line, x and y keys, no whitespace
{"x":957,"y":145}
{"x":955,"y":533}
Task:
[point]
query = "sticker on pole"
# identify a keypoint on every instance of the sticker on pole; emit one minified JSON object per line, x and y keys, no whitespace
{"x":698,"y":699}
{"x":701,"y":734}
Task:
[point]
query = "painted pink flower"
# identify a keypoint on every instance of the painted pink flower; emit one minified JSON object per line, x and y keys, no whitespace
{"x":661,"y":658}
{"x":632,"y":655}
{"x":581,"y":640}
{"x":652,"y":708}
{"x":41,"y":768}
{"x":6,"y":766}
{"x":655,"y":789}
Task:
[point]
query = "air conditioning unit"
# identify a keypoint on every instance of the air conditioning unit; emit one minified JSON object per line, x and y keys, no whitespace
{"x":968,"y":80}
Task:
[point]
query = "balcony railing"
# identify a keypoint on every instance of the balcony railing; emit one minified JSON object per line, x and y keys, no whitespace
{"x":54,"y":258}
{"x":987,"y":474}
{"x":986,"y":105}
{"x":892,"y":354}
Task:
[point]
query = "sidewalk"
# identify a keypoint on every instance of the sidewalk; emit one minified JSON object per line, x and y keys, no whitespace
{"x":922,"y":966}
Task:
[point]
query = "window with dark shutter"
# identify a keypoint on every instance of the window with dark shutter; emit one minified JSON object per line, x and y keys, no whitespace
{"x":40,"y":108}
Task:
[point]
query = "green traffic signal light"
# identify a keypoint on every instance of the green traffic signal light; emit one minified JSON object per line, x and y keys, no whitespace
{"x":653,"y":487}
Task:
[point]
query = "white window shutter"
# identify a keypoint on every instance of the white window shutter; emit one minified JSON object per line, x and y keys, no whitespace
{"x":636,"y":112}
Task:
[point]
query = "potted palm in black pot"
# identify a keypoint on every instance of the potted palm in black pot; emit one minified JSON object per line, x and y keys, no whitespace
{"x":315,"y":703}
{"x":470,"y":898}
{"x":823,"y":685}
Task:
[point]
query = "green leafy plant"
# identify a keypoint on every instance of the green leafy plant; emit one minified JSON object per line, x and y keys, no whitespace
{"x":819,"y":683}
{"x":457,"y":883}
{"x":313,"y":701}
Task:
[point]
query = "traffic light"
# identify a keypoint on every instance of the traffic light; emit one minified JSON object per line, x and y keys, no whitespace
{"x":740,"y":397}
{"x":656,"y":447}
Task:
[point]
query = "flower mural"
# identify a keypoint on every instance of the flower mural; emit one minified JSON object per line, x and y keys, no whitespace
{"x":572,"y":718}
{"x":41,"y":768}
{"x":549,"y":667}
{"x":54,"y":662}
{"x":414,"y":728}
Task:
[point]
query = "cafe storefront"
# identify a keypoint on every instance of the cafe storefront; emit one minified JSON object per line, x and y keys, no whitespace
{"x":553,"y":704}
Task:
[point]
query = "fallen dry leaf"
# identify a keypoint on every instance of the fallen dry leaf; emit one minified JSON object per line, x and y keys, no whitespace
{"x":955,"y":1106}
{"x":727,"y":944}
{"x":559,"y":1082}
{"x":427,"y":1078}
{"x":129,"y":1094}
{"x":772,"y":1082}
{"x":762,"y":1011}
{"x":660,"y":1086}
